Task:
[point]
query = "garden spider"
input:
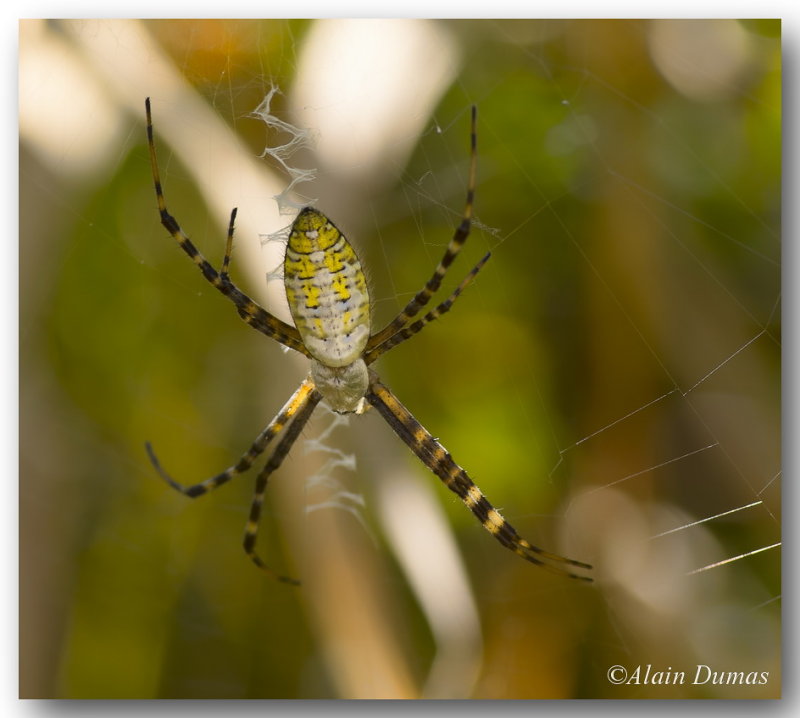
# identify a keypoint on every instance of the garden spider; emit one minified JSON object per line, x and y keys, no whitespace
{"x":328,"y":299}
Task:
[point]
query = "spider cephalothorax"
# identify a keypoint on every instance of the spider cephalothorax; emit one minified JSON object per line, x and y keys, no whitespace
{"x":329,"y":302}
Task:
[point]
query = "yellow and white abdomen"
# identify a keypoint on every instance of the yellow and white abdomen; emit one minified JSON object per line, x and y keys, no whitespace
{"x":326,"y":290}
{"x":329,"y":302}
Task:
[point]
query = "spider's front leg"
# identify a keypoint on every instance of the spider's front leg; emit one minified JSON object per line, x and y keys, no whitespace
{"x":249,"y":310}
{"x":439,"y":461}
{"x":421,"y":298}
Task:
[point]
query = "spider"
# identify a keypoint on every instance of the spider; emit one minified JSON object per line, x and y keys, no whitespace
{"x":329,"y":303}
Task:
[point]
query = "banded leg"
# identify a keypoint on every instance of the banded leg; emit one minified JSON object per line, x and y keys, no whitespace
{"x":410,"y":330}
{"x":296,"y":404}
{"x":453,"y":248}
{"x":281,"y":450}
{"x":255,"y":315}
{"x":438,"y":460}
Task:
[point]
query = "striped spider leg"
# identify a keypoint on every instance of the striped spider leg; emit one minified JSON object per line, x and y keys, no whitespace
{"x":424,"y":295}
{"x":292,"y":417}
{"x":248,"y":309}
{"x":329,"y":303}
{"x":431,"y":453}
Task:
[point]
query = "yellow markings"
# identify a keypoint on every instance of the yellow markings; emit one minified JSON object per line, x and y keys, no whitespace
{"x":299,"y":267}
{"x":300,"y":399}
{"x":312,"y":231}
{"x":339,"y":285}
{"x":319,"y":328}
{"x":312,"y":294}
{"x":473,"y":496}
{"x":347,"y":254}
{"x":326,"y":290}
{"x":490,"y":527}
{"x":494,"y":522}
{"x":394,"y":405}
{"x":250,"y":309}
{"x":294,"y":404}
{"x":388,"y":398}
{"x":251,"y":528}
{"x":361,"y":281}
{"x":420,"y":434}
{"x":333,"y":261}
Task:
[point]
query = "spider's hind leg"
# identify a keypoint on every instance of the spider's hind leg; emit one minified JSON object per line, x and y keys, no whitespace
{"x":295,"y":404}
{"x":439,"y":461}
{"x":281,"y":450}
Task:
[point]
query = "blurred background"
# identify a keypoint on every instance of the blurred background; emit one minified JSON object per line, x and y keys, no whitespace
{"x":611,"y":380}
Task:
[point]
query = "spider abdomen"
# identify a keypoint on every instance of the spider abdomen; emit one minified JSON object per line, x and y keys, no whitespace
{"x":326,"y":290}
